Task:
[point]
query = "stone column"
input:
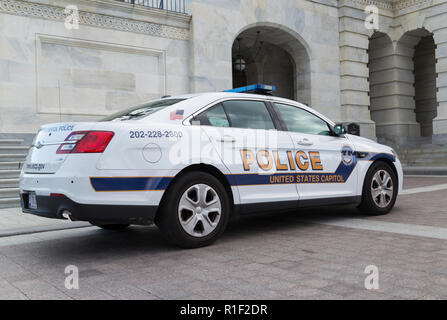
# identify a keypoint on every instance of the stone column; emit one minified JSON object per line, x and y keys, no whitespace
{"x":440,"y":122}
{"x":354,"y":71}
{"x":210,"y":48}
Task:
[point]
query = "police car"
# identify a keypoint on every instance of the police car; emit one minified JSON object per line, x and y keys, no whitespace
{"x":189,"y":163}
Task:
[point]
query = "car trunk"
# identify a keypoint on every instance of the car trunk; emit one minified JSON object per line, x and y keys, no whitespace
{"x":43,"y":156}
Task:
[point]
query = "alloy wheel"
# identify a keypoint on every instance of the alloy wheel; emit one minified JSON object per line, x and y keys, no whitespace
{"x":382,"y":188}
{"x":199,"y":210}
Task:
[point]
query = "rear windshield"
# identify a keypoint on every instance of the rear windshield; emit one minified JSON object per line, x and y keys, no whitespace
{"x":142,"y":111}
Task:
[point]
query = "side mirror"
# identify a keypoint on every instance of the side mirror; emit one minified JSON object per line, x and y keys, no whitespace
{"x":195,"y":122}
{"x":339,"y":129}
{"x":354,"y":129}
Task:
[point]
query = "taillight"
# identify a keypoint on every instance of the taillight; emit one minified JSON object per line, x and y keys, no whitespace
{"x":58,"y":195}
{"x":86,"y":142}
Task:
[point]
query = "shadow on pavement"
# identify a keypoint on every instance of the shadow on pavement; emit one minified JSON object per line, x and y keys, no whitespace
{"x":103,"y":244}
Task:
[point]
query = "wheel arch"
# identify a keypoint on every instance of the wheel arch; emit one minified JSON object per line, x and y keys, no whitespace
{"x":367,"y":204}
{"x":212,"y":170}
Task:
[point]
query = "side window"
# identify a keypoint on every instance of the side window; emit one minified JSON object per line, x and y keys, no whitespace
{"x":299,"y":120}
{"x":214,"y":116}
{"x":248,"y":114}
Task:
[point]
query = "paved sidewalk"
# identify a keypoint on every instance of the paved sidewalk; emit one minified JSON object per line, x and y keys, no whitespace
{"x":317,"y":253}
{"x":13,"y":221}
{"x":14,"y":218}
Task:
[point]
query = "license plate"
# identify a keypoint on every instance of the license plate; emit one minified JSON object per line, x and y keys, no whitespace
{"x":32,"y":203}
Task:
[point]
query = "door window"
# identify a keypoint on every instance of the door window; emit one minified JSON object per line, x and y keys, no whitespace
{"x":244,"y":114}
{"x":300,"y":120}
{"x":214,"y":116}
{"x":248,"y":114}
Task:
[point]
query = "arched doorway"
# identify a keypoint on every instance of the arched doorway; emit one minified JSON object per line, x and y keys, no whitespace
{"x":416,"y":50}
{"x":426,"y":104}
{"x":272,"y":56}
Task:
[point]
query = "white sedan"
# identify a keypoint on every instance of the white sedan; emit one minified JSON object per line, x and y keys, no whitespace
{"x":189,"y":163}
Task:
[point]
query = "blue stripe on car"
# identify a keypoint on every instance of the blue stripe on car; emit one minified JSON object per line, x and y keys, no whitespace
{"x":343,"y":172}
{"x":130,"y":183}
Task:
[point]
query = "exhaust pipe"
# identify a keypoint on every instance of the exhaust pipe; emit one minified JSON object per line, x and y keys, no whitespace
{"x":66,"y":215}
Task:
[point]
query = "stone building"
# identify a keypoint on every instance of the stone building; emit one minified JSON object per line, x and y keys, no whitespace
{"x":391,"y":78}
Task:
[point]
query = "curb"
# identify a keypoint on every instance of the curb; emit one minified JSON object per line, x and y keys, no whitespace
{"x":45,"y":228}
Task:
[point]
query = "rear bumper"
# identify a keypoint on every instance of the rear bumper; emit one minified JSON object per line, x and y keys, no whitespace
{"x":54,"y":206}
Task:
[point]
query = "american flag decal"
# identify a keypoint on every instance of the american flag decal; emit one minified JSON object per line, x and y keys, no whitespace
{"x":177,"y":115}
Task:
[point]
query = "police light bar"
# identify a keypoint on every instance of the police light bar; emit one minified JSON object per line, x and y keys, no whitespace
{"x":254,"y":88}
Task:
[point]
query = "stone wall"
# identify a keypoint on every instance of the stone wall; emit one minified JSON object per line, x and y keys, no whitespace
{"x":123,"y":54}
{"x":120,"y":56}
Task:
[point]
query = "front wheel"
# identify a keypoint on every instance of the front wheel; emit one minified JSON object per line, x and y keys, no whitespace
{"x":379,"y":190}
{"x":195,"y":211}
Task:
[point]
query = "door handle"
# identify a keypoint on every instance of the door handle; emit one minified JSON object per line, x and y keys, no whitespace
{"x":227,"y":139}
{"x":305,"y":142}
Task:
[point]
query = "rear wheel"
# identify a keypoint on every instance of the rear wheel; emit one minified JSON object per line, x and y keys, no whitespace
{"x":379,"y":190}
{"x":195,"y":211}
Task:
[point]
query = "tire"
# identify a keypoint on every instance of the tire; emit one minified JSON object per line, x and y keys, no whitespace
{"x":379,"y":190}
{"x":111,"y":226}
{"x":188,"y":220}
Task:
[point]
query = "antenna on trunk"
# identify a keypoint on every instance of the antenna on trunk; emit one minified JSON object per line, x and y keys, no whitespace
{"x":59,"y":91}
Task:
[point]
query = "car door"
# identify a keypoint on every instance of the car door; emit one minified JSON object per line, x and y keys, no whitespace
{"x":325,"y":162}
{"x":244,"y":134}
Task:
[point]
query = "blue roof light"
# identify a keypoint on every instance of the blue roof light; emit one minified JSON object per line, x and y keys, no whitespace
{"x":254,"y":88}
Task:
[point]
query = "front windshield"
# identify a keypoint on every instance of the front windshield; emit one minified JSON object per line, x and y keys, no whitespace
{"x":142,"y":111}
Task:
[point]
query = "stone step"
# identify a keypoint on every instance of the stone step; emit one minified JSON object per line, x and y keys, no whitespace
{"x":4,"y":142}
{"x":12,"y":157}
{"x":9,"y":183}
{"x":425,"y":163}
{"x":423,"y":146}
{"x":433,"y":155}
{"x":10,"y":202}
{"x":9,"y":192}
{"x":415,"y":142}
{"x":9,"y":173}
{"x":421,"y":160}
{"x":424,"y":170}
{"x":425,"y":155}
{"x":14,"y":149}
{"x":15,"y":165}
{"x":422,"y":151}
